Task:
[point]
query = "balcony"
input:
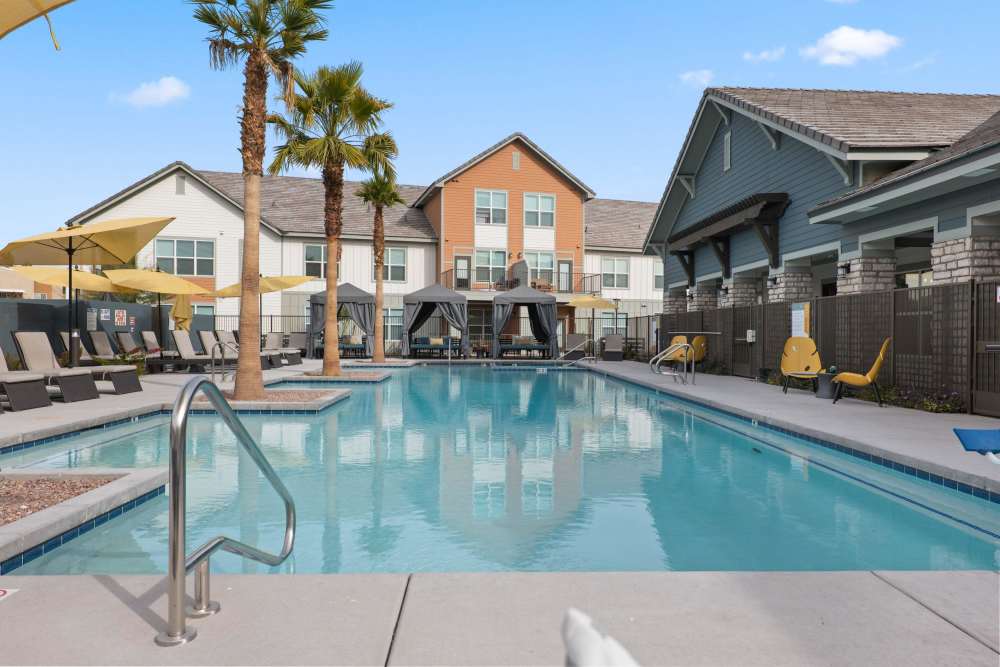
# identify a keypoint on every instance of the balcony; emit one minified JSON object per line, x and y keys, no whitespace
{"x":501,"y":280}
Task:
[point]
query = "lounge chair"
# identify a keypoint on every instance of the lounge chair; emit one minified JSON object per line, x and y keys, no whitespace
{"x":24,"y":390}
{"x":153,"y":348}
{"x":185,"y":355}
{"x":613,"y":348}
{"x":697,"y":353}
{"x":102,"y":345}
{"x":298,"y":341}
{"x":35,"y":351}
{"x":800,"y":361}
{"x":576,"y":346}
{"x":86,"y":358}
{"x":290,"y":355}
{"x":127,"y":343}
{"x":859,"y":381}
{"x":228,"y":338}
{"x":123,"y":377}
{"x":352,"y":346}
{"x":521,"y":344}
{"x":230,"y":351}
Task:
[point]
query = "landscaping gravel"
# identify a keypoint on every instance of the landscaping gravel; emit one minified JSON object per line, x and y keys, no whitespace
{"x":20,"y":497}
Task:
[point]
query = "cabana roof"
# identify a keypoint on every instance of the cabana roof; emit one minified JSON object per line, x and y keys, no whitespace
{"x":346,"y":293}
{"x":524,"y":294}
{"x":434,"y":294}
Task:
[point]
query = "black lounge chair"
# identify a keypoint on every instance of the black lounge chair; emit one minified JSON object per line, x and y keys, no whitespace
{"x":290,"y":355}
{"x":124,"y":377}
{"x":35,"y":351}
{"x":153,"y":348}
{"x":613,"y":348}
{"x":24,"y":390}
{"x":352,"y":346}
{"x":86,"y":358}
{"x":524,"y":344}
{"x":230,"y":349}
{"x":127,"y":343}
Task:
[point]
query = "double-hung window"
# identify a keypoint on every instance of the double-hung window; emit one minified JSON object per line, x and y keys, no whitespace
{"x":185,"y":257}
{"x":658,"y":275}
{"x":491,"y":207}
{"x":539,"y":210}
{"x":315,"y":255}
{"x":613,"y":322}
{"x":393,"y":321}
{"x":614,"y":272}
{"x":541,"y":265}
{"x":394,"y":268}
{"x":201,"y":309}
{"x":491,"y":266}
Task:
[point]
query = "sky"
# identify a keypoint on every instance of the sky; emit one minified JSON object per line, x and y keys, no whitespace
{"x":607,"y":88}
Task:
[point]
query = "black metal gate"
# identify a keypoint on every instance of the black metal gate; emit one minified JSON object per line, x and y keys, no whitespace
{"x":746,"y":319}
{"x":986,"y":356}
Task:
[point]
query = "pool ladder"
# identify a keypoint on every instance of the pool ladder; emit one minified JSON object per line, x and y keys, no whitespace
{"x":179,"y":564}
{"x":654,"y":363}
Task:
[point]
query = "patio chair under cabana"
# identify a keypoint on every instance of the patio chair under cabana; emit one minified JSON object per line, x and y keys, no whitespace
{"x":360,"y":307}
{"x":420,"y":305}
{"x":541,"y":316}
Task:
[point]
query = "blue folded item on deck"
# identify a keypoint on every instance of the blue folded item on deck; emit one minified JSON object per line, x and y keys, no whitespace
{"x":981,"y":441}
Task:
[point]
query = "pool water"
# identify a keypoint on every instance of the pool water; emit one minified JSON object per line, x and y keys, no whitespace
{"x":470,"y":469}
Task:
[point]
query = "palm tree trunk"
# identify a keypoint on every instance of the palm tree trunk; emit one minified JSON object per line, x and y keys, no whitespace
{"x":378,"y":240}
{"x":249,"y":378}
{"x":333,"y":188}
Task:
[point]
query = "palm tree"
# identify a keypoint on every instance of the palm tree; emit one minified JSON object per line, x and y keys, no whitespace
{"x":333,"y":124}
{"x":380,"y":192}
{"x":265,"y":35}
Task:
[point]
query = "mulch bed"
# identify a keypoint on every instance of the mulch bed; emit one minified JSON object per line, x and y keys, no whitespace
{"x":21,"y":497}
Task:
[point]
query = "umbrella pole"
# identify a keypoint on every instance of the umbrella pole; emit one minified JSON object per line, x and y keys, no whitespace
{"x":74,"y":353}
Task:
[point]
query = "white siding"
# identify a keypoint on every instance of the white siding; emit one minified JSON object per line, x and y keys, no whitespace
{"x":641,"y":273}
{"x":491,"y":236}
{"x":539,"y":238}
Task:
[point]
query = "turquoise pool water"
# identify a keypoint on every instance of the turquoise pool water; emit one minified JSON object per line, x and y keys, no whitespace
{"x":474,"y":469}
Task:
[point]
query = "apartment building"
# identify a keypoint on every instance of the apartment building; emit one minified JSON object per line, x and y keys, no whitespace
{"x":509,"y":207}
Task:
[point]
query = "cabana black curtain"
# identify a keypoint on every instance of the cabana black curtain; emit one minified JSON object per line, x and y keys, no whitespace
{"x":541,"y":316}
{"x":501,"y":315}
{"x":420,"y":305}
{"x":364,"y":315}
{"x":360,"y":307}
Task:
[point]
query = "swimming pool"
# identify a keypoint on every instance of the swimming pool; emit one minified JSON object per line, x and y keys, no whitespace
{"x":470,"y":469}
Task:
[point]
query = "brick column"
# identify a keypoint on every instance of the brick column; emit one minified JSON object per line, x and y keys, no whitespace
{"x":738,"y":291}
{"x":872,"y":273}
{"x":674,"y":302}
{"x":705,"y":297}
{"x":790,"y":284}
{"x":961,"y":259}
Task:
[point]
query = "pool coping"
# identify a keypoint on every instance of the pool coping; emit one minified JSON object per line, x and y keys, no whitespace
{"x":958,"y":480}
{"x":347,"y":378}
{"x":318,"y":404}
{"x":31,"y":536}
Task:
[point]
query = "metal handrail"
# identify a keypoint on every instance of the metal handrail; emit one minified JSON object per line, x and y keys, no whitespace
{"x":573,"y":349}
{"x":654,"y":363}
{"x":591,"y":358}
{"x":221,"y":347}
{"x":179,"y":565}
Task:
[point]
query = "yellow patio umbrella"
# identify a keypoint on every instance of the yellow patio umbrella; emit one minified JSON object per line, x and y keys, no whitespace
{"x":107,"y":242}
{"x":15,"y":13}
{"x":267,"y":284}
{"x":182,"y":312}
{"x":59,"y":277}
{"x":594,"y":302}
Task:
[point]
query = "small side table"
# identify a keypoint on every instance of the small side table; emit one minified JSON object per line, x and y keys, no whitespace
{"x":824,"y":386}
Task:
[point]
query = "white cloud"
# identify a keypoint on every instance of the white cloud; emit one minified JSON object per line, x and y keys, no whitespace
{"x":847,"y":45}
{"x":155,"y":93}
{"x":697,"y":77}
{"x":765,"y":56}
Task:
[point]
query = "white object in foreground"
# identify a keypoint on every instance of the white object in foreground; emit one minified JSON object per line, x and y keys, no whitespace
{"x":586,"y":647}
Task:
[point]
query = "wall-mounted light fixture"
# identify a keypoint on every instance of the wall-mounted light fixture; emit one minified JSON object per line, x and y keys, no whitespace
{"x":772,"y":281}
{"x":843,"y":270}
{"x":690,"y":293}
{"x":723,"y":291}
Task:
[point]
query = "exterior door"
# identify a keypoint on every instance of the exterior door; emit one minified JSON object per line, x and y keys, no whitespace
{"x":463,"y":273}
{"x":565,"y":276}
{"x":986,"y":360}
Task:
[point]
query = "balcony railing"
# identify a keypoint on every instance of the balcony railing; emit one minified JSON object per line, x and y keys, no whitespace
{"x":501,"y":280}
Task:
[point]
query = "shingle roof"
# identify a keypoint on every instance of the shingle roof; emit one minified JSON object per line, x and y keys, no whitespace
{"x":616,"y":223}
{"x":295,"y":205}
{"x":846,"y":119}
{"x":981,"y":138}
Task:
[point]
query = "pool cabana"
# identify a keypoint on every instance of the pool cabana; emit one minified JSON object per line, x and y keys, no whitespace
{"x":541,"y":316}
{"x":359,"y":306}
{"x":420,"y":305}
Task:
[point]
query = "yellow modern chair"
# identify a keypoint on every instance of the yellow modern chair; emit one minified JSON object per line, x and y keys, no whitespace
{"x":677,"y":355}
{"x":699,"y":348}
{"x":800,"y":360}
{"x":868,"y":379}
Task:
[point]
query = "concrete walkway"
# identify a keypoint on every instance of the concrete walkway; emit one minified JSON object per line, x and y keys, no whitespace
{"x":912,"y":437}
{"x":663,"y":618}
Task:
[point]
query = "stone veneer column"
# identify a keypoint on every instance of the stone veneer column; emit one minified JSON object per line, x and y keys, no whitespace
{"x":970,"y":257}
{"x":790,"y":284}
{"x":674,"y":302}
{"x":739,"y":291}
{"x":705,"y":296}
{"x":873,"y":273}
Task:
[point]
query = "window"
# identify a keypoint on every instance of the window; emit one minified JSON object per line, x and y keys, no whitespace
{"x":315,"y":255}
{"x":394,"y":269}
{"x":491,"y":207}
{"x":491,"y":266}
{"x":614,"y":272}
{"x":921,"y":278}
{"x":198,"y":309}
{"x":658,"y":275}
{"x":185,"y":258}
{"x":539,"y":210}
{"x":727,"y":151}
{"x":541,"y":265}
{"x":393,"y":320}
{"x":613,"y":323}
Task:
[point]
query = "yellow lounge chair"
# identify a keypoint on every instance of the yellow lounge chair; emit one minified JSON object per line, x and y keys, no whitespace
{"x":800,"y":360}
{"x":860,"y":381}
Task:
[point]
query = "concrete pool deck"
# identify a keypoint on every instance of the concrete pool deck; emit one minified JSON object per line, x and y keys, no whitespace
{"x":662,"y":618}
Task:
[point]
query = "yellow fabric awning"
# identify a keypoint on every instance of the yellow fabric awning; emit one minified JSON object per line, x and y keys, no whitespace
{"x":267,"y":284}
{"x":107,"y":242}
{"x":153,"y":281}
{"x":59,"y":276}
{"x":592,"y":302}
{"x":15,"y":13}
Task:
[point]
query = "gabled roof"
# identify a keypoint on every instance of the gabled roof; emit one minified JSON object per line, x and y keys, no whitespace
{"x":295,"y":206}
{"x":982,"y":138}
{"x":846,"y":119}
{"x":517,"y":136}
{"x":617,"y":223}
